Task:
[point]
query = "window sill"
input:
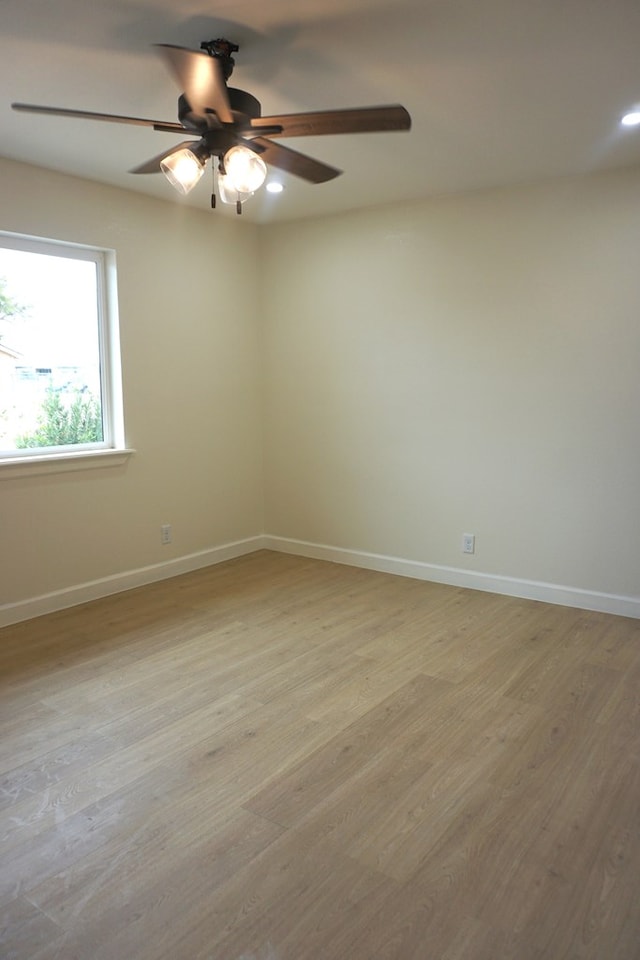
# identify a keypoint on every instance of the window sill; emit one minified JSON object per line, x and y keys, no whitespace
{"x":36,"y":466}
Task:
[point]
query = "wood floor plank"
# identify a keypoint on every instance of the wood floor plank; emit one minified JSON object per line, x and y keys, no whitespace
{"x":279,"y":758}
{"x":394,"y":807}
{"x":119,"y":767}
{"x":301,"y":898}
{"x":34,"y":777}
{"x":25,"y":930}
{"x":286,"y":799}
{"x":132,"y":905}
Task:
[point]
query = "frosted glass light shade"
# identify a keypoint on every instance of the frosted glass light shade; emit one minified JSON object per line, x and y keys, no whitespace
{"x":183,"y":169}
{"x":228,"y":193}
{"x":244,"y":169}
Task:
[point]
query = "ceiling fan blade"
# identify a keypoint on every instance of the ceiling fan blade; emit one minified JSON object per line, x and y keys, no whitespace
{"x":293,"y":162}
{"x":201,"y":79}
{"x":360,"y":120}
{"x":88,"y":115}
{"x":153,"y":165}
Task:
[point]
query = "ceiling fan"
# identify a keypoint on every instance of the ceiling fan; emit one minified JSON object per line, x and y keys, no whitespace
{"x":228,"y":125}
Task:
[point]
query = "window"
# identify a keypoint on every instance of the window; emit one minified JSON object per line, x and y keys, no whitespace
{"x":60,"y":394}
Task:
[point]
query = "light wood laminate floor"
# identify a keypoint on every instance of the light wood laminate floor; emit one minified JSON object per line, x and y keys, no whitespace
{"x":284,"y":759}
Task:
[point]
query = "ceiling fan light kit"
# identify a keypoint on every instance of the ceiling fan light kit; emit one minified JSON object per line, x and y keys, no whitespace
{"x":229,"y":125}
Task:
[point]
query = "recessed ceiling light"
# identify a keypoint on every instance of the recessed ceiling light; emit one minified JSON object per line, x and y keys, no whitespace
{"x":274,"y":187}
{"x":631,"y":119}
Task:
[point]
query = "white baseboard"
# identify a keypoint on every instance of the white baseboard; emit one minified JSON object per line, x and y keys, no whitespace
{"x":119,"y":582}
{"x":454,"y":576}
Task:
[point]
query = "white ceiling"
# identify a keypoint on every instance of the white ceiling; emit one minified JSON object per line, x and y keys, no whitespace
{"x":500,"y":91}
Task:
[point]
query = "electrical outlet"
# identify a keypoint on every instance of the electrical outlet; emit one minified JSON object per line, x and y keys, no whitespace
{"x":165,"y":533}
{"x":468,"y":543}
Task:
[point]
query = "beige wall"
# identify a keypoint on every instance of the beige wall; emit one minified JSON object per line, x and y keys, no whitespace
{"x":470,"y":364}
{"x":189,"y":332}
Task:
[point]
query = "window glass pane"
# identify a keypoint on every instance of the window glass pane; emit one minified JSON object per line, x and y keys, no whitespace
{"x":50,"y":359}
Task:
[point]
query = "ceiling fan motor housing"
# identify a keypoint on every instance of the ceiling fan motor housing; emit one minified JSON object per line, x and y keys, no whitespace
{"x":244,"y":106}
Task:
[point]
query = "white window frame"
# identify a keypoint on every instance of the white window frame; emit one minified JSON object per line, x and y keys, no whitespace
{"x":112,"y":450}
